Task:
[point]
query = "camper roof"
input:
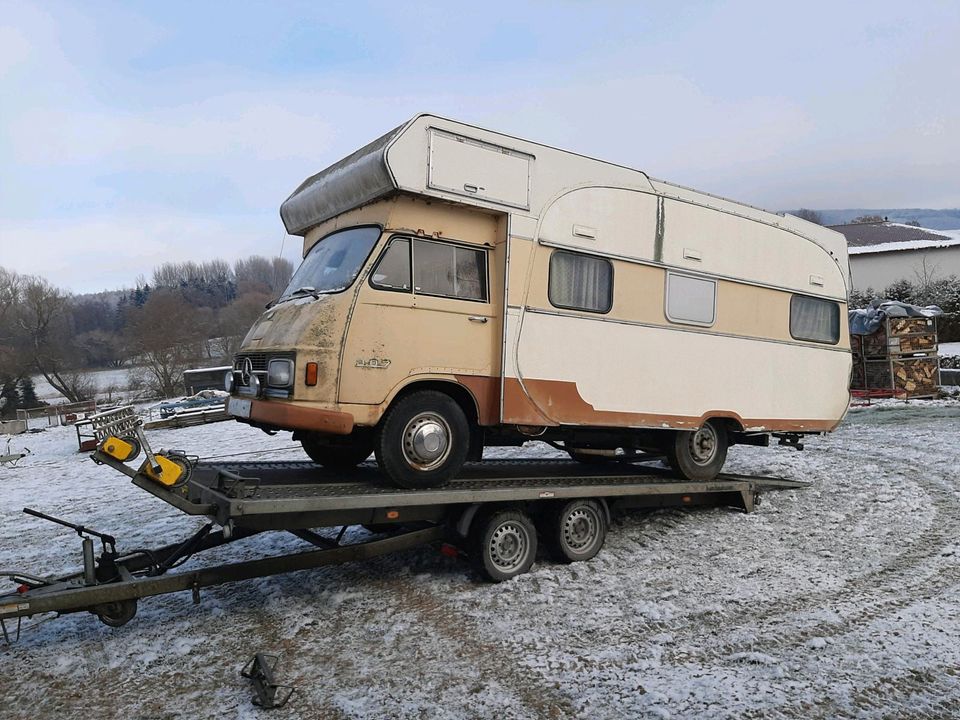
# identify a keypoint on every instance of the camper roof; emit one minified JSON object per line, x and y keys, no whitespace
{"x":454,"y":161}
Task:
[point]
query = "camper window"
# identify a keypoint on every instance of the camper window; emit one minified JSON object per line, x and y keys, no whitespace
{"x":449,"y":270}
{"x":814,"y":319}
{"x":580,"y":282}
{"x":393,"y":270}
{"x":691,"y":300}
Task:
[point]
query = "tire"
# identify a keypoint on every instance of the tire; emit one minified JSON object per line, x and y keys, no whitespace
{"x":578,"y":531}
{"x":423,"y":440}
{"x":504,"y":545}
{"x":699,"y":455}
{"x":116,"y":614}
{"x":337,"y":457}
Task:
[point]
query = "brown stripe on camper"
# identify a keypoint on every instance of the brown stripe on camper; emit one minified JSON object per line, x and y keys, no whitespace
{"x":486,"y":393}
{"x":561,"y":400}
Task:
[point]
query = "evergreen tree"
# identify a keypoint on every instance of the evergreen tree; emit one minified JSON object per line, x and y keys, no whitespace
{"x":9,"y":399}
{"x":28,"y":394}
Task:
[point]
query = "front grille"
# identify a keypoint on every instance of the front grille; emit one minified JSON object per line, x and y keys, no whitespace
{"x":259,"y":360}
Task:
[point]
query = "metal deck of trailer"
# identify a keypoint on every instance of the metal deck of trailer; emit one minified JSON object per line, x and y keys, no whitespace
{"x":246,"y":498}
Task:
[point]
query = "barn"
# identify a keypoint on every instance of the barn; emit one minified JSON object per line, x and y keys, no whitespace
{"x":882,"y":253}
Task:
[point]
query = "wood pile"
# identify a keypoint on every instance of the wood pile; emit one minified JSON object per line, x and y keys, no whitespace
{"x":900,"y":357}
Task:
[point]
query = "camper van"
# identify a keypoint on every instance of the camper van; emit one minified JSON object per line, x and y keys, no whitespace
{"x":462,"y":288}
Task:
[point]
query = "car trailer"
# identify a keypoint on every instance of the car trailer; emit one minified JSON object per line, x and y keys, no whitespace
{"x":493,"y":513}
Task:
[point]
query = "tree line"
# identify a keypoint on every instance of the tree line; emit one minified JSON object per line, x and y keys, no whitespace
{"x":925,"y":289}
{"x":186,"y":313}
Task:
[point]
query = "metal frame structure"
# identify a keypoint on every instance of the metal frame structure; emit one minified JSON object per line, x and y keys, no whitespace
{"x":249,"y":498}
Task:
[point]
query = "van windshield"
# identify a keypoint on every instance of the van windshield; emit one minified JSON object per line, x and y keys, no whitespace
{"x":333,"y":263}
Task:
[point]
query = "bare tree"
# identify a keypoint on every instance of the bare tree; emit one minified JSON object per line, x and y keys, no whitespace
{"x":809,"y":215}
{"x":163,"y":336}
{"x":44,"y":323}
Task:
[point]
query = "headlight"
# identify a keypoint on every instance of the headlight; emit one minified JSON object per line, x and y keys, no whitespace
{"x":280,"y":373}
{"x":228,"y":381}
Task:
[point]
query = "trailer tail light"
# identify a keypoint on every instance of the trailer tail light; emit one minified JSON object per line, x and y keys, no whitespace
{"x":312,"y":372}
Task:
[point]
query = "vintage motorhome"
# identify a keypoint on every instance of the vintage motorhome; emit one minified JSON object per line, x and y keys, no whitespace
{"x":462,"y":288}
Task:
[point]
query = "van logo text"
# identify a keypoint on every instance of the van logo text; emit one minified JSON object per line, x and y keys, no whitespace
{"x":374,"y":364}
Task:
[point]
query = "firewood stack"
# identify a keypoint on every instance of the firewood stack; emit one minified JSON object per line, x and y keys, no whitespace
{"x":900,"y":357}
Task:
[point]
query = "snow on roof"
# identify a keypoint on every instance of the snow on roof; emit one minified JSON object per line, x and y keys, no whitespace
{"x":868,"y":238}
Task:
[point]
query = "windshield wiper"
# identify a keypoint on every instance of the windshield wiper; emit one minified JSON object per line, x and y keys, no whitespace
{"x":305,"y":290}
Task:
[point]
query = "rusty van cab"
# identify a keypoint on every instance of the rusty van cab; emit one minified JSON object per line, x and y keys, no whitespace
{"x":461,"y":288}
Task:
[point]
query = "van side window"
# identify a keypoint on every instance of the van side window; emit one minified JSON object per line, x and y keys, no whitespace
{"x":814,"y":319}
{"x":691,"y":300}
{"x":393,"y":270}
{"x":580,"y":282}
{"x":449,"y":270}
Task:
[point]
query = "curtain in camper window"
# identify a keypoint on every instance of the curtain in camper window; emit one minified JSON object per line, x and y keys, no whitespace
{"x":814,"y":319}
{"x":580,"y":282}
{"x":449,"y":270}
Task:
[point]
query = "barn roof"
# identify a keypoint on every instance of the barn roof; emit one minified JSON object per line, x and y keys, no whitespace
{"x":867,"y":238}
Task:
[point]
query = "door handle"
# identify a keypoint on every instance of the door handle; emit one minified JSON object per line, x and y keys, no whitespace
{"x":477,"y":318}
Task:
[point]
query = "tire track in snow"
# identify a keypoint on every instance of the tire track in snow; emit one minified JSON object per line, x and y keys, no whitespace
{"x":495,"y":662}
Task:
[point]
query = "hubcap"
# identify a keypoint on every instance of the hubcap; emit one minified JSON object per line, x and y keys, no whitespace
{"x":426,"y":441}
{"x":703,"y":445}
{"x":580,"y":529}
{"x":508,"y":547}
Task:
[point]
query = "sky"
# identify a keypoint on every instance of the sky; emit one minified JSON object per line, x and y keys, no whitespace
{"x":137,"y":133}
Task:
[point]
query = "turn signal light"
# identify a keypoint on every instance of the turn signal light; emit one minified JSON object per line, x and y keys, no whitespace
{"x":311,"y":374}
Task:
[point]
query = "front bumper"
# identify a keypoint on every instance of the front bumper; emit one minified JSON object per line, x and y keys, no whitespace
{"x":291,"y":416}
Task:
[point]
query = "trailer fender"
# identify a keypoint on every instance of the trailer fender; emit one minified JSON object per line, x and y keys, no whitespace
{"x":466,"y":520}
{"x":606,"y":509}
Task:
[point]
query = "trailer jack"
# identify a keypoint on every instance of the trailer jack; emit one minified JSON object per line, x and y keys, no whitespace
{"x":269,"y":693}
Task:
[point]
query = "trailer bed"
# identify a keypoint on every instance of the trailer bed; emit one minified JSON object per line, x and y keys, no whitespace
{"x":292,"y":495}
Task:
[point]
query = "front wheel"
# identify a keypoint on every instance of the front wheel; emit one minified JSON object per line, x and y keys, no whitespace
{"x":699,"y":454}
{"x":423,"y":440}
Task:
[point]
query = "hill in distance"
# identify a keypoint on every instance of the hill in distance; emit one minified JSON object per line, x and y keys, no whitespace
{"x":933,"y":219}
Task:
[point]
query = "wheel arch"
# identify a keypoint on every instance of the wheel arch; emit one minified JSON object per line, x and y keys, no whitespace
{"x":459,"y":392}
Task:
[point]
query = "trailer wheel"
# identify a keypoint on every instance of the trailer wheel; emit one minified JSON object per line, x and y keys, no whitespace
{"x":116,"y":614}
{"x":337,"y":457}
{"x":699,"y":454}
{"x":578,"y":531}
{"x":505,"y":545}
{"x":423,"y":440}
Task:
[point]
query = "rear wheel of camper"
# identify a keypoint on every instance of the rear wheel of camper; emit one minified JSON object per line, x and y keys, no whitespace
{"x":337,"y":456}
{"x":699,"y":454}
{"x":423,"y":440}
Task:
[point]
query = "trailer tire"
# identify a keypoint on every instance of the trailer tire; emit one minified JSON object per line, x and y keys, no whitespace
{"x":423,"y":440}
{"x":699,"y":454}
{"x":337,"y":457}
{"x":116,"y":614}
{"x":577,"y":531}
{"x":504,"y":545}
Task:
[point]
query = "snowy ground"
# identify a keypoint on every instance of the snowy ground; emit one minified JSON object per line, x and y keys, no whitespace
{"x":946,"y":349}
{"x":842,"y":600}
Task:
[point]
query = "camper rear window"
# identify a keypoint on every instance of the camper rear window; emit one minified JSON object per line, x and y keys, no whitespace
{"x":814,"y":319}
{"x":580,"y":282}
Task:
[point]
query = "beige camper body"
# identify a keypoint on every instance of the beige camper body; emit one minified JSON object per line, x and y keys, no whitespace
{"x":545,"y":294}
